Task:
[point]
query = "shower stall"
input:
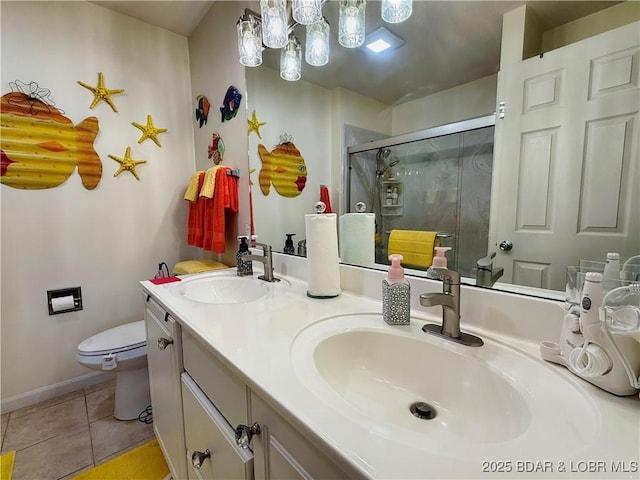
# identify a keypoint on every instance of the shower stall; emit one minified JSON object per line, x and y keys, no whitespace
{"x":437,"y":179}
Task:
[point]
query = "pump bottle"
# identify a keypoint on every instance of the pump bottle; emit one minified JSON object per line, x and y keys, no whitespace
{"x":396,"y":291}
{"x":288,"y":244}
{"x":244,"y":267}
{"x":439,"y":261}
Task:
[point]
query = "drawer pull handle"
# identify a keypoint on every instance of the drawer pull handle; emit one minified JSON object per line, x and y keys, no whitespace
{"x":164,"y":343}
{"x":198,"y":457}
{"x":244,"y":434}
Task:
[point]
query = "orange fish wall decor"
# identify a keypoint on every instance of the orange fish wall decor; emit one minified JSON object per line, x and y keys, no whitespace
{"x":284,"y":167}
{"x":41,"y":148}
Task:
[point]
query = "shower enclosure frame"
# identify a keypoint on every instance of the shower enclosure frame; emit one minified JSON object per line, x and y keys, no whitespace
{"x":420,"y":135}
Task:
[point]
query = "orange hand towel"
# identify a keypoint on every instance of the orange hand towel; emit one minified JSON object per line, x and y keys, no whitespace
{"x":225,"y":196}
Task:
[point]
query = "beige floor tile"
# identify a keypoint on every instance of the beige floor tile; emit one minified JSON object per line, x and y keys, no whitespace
{"x":99,"y":386}
{"x":47,"y":403}
{"x":101,"y":403}
{"x":121,"y":452}
{"x":4,"y":419}
{"x":55,"y":457}
{"x":44,"y":423}
{"x":110,"y":436}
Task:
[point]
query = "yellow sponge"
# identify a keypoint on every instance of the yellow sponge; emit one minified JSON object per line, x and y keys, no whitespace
{"x":197,"y":266}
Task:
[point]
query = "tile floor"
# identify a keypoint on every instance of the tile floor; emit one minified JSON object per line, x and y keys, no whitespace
{"x":66,"y":435}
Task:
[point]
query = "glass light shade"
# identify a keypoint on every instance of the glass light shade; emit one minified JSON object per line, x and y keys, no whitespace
{"x":306,"y":12}
{"x":352,"y":23}
{"x":249,"y":41}
{"x":274,"y":22}
{"x":396,"y":11}
{"x":316,"y":50}
{"x":291,"y":60}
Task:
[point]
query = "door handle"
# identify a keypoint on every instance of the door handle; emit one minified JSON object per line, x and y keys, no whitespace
{"x":506,"y":245}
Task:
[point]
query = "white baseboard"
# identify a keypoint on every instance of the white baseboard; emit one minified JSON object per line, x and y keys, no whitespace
{"x":50,"y":391}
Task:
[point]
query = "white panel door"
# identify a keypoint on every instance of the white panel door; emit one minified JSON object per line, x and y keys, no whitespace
{"x":567,"y":163}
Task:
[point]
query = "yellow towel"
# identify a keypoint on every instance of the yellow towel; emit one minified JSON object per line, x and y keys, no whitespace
{"x":192,"y":188}
{"x":209,"y":183}
{"x":415,"y":246}
{"x":197,"y":266}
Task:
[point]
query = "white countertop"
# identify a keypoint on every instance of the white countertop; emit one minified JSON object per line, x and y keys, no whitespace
{"x":255,"y":339}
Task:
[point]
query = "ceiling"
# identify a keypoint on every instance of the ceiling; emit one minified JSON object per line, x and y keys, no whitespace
{"x":448,"y":43}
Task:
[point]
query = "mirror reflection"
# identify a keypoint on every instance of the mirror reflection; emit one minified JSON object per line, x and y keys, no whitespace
{"x":508,"y":185}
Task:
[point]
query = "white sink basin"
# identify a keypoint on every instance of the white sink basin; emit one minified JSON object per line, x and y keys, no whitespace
{"x":216,"y":288}
{"x":483,"y":398}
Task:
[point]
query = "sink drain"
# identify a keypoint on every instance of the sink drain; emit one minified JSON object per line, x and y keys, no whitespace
{"x":422,"y":410}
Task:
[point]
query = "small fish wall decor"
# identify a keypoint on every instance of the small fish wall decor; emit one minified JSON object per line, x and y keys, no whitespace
{"x":231,"y":103}
{"x":101,"y":93}
{"x":41,"y":147}
{"x":284,"y":167}
{"x":202,"y":110}
{"x":216,"y":149}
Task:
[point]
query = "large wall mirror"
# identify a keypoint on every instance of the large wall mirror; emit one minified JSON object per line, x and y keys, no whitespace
{"x":552,"y":176}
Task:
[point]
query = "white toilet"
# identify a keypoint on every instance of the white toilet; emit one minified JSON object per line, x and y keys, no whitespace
{"x":123,"y":350}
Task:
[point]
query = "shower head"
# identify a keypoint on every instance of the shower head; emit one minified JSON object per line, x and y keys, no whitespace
{"x":381,"y":171}
{"x":382,"y":154}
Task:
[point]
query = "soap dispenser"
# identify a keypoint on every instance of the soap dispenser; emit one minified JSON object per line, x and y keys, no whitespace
{"x":244,"y":267}
{"x":396,"y":300}
{"x":439,"y":261}
{"x":288,"y":244}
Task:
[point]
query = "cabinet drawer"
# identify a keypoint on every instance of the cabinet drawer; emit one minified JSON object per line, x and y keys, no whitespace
{"x":280,"y":451}
{"x":223,"y":388}
{"x":206,"y":429}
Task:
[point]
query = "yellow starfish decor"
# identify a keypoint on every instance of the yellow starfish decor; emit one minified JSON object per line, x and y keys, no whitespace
{"x":149,"y":131}
{"x":254,"y":125}
{"x":127,"y":163}
{"x":101,"y":92}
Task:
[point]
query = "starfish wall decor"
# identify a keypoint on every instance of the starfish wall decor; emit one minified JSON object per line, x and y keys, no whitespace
{"x":101,"y":92}
{"x":254,"y":124}
{"x":149,"y":131}
{"x":127,"y":163}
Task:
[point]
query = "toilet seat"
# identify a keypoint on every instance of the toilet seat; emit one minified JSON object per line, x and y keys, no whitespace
{"x":124,"y":338}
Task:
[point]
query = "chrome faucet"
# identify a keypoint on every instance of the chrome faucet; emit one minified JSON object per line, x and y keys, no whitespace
{"x":266,"y":260}
{"x":450,"y":301}
{"x":485,"y":275}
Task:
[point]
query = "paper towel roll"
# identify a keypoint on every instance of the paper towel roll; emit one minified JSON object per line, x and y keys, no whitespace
{"x":62,"y":303}
{"x":357,"y":238}
{"x":322,"y":255}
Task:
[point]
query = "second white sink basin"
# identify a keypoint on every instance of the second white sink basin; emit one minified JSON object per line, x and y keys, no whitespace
{"x":483,"y":398}
{"x":225,"y":289}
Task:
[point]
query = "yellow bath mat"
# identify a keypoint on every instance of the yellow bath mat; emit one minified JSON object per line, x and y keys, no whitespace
{"x":143,"y":463}
{"x":6,"y":465}
{"x":197,"y":266}
{"x":415,"y":246}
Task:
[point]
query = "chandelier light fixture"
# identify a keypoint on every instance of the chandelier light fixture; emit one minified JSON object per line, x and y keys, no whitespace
{"x":307,"y":12}
{"x":272,"y":29}
{"x":249,"y":41}
{"x":291,"y":60}
{"x":396,"y":11}
{"x":351,"y":23}
{"x":316,"y":51}
{"x":274,"y":23}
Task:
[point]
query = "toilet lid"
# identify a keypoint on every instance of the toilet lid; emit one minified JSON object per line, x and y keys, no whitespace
{"x":124,"y":337}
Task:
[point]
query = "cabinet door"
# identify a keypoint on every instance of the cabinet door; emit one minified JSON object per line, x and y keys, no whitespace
{"x":163,"y":352}
{"x":209,"y":435}
{"x":283,"y":453}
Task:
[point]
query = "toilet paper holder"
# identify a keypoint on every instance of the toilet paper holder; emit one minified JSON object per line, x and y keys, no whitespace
{"x":58,"y":300}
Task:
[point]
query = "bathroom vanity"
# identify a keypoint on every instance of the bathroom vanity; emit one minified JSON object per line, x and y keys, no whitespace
{"x":323,"y":388}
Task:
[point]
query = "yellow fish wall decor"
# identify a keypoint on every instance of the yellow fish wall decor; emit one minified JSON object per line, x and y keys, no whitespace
{"x":284,"y":167}
{"x":41,"y":148}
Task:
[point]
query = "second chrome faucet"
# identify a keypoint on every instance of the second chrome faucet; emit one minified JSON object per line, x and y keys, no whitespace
{"x":450,"y":301}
